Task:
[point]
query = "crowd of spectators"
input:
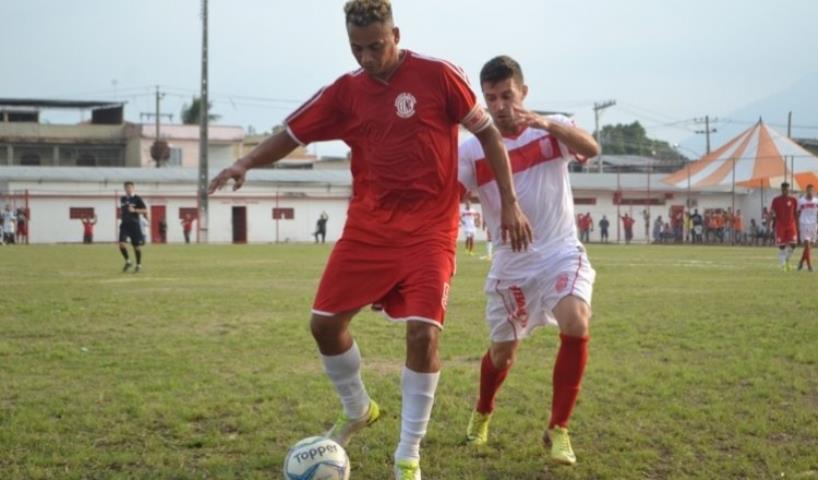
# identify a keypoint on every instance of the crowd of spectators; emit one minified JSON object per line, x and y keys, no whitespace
{"x":715,"y":226}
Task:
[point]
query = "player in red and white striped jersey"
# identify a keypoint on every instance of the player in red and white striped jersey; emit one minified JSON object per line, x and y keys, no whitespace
{"x":552,"y":281}
{"x":807,"y":225}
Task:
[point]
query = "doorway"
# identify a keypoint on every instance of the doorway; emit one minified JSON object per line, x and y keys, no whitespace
{"x":239,"y":224}
{"x":159,"y":225}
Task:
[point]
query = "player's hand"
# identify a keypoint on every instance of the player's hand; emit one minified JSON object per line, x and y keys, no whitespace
{"x":130,"y":208}
{"x":236,"y":172}
{"x":528,"y":118}
{"x":514,"y":227}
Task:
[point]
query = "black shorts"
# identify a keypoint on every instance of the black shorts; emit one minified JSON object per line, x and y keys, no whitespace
{"x":132,"y":232}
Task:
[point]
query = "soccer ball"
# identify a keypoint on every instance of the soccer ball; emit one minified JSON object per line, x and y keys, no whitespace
{"x":316,"y":458}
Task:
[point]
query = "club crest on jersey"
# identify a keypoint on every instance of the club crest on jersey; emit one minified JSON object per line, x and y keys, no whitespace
{"x":562,"y":283}
{"x":405,"y":105}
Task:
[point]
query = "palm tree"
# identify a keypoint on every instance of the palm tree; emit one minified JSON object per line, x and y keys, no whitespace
{"x":190,"y":113}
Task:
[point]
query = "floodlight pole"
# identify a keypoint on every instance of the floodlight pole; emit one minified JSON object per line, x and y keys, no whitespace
{"x":202,"y":222}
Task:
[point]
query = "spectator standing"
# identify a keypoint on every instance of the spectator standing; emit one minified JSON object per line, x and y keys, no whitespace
{"x":187,"y":226}
{"x":697,"y":223}
{"x":22,"y":226}
{"x":88,"y":229}
{"x":9,"y":221}
{"x":603,"y":229}
{"x":658,"y":224}
{"x":627,"y":224}
{"x":321,"y":227}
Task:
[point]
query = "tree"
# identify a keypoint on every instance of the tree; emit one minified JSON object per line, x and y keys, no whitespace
{"x":190,"y":113}
{"x":632,"y":139}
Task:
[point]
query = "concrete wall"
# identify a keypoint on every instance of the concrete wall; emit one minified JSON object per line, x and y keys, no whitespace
{"x":50,"y":202}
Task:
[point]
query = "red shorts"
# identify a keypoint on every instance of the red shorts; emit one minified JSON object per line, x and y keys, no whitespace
{"x":408,"y":283}
{"x":785,"y":235}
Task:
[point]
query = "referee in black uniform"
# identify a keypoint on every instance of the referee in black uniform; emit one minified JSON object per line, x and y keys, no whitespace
{"x":131,"y":206}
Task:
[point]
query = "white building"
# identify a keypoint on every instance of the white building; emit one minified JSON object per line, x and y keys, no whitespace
{"x":58,"y":197}
{"x":281,"y":205}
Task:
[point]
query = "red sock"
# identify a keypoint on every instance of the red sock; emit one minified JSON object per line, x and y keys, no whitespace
{"x":808,"y":254}
{"x":490,"y":381}
{"x":567,"y":378}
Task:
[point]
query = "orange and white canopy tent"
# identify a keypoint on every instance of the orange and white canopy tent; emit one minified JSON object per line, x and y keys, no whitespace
{"x":759,"y":157}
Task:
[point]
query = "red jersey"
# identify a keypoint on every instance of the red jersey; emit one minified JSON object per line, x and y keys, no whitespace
{"x":628,"y":222}
{"x":585,"y":222}
{"x":784,"y":208}
{"x":187,"y":225}
{"x":403,"y":134}
{"x":88,"y":228}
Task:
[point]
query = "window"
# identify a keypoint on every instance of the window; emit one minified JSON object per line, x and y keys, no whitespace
{"x":283,"y":214}
{"x":76,"y":213}
{"x":584,"y":201}
{"x":86,"y":160}
{"x":175,"y":158}
{"x":642,"y":201}
{"x":29,"y":159}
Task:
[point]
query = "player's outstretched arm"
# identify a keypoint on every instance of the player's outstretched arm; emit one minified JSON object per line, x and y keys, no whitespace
{"x":575,"y":138}
{"x":514,"y":224}
{"x":270,"y":151}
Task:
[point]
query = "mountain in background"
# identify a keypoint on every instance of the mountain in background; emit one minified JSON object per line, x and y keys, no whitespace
{"x":801,"y":98}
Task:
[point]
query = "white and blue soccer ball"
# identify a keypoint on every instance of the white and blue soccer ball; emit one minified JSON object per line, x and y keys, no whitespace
{"x":316,"y":458}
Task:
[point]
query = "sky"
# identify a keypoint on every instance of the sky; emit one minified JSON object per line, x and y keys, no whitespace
{"x":665,"y":63}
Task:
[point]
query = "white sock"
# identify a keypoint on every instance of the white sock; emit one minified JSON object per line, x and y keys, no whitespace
{"x":418,"y":397}
{"x":489,"y":246}
{"x":344,"y":371}
{"x":789,"y":251}
{"x":782,"y":256}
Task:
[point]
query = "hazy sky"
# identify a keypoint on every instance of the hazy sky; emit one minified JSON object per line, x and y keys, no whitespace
{"x":664,"y":62}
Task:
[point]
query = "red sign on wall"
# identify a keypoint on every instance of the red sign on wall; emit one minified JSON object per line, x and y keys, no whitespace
{"x":185,"y":211}
{"x":77,"y":213}
{"x":283,"y":214}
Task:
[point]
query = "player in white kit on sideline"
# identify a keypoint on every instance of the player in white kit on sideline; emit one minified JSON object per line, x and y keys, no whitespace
{"x":807,"y":225}
{"x":550,"y":283}
{"x":469,"y":218}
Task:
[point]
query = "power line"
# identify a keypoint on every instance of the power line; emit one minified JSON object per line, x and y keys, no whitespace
{"x":780,"y":125}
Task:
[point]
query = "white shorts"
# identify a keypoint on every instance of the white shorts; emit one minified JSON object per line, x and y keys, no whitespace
{"x":470,"y":232}
{"x":808,"y":231}
{"x":515,"y":308}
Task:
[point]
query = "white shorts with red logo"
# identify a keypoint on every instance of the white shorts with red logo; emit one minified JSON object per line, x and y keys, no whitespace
{"x":514,"y":308}
{"x":808,"y":231}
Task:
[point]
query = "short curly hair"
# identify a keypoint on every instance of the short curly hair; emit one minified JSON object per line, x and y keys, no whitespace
{"x":363,"y":13}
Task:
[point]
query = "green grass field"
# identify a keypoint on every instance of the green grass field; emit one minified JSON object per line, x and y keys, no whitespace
{"x":704,"y":364}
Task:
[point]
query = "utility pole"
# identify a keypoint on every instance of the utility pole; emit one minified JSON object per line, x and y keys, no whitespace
{"x":707,"y":130}
{"x":160,"y":151}
{"x":789,"y":125}
{"x":158,"y":111}
{"x":598,"y":107}
{"x":203,"y":120}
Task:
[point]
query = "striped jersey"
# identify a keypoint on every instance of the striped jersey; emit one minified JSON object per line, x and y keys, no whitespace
{"x":539,"y":164}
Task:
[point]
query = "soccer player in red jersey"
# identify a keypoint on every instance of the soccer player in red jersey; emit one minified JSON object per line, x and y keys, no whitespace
{"x":400,"y":114}
{"x":784,"y":211}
